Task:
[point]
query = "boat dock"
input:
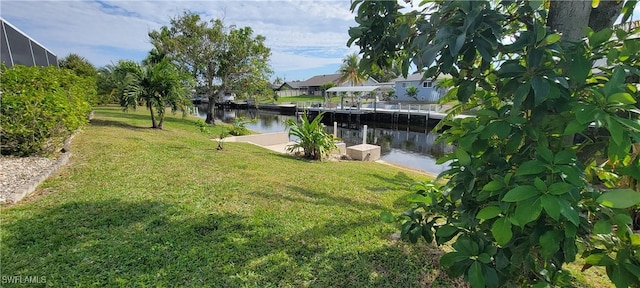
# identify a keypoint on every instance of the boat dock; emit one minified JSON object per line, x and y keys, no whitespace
{"x":410,"y":114}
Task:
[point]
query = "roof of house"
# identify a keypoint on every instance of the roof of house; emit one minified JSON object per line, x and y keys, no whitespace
{"x":415,"y":77}
{"x":293,"y":84}
{"x":318,"y":80}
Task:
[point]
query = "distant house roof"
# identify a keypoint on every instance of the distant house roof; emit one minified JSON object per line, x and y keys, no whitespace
{"x":358,"y":88}
{"x":293,"y":84}
{"x":318,"y":80}
{"x":415,"y":77}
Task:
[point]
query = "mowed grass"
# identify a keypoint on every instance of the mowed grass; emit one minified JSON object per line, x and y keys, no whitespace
{"x":144,"y":207}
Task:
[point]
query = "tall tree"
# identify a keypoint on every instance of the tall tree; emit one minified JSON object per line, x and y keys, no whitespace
{"x":350,"y":71}
{"x":157,"y":85}
{"x":517,"y":200}
{"x":218,"y":57}
{"x":80,"y":65}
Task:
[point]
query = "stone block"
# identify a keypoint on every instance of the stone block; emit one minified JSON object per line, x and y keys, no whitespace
{"x":364,"y":152}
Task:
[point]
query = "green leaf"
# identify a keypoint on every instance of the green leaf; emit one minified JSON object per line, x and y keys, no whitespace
{"x":619,"y":198}
{"x":540,"y":88}
{"x":530,"y":167}
{"x":484,"y":258}
{"x":527,"y":211}
{"x":476,"y":277}
{"x":602,"y":227}
{"x":448,"y":259}
{"x":600,"y":37}
{"x":565,"y":157}
{"x":417,"y":198}
{"x":446,"y":230}
{"x":559,"y":188}
{"x":580,"y":68}
{"x":501,"y":231}
{"x":465,"y":90}
{"x":520,"y":95}
{"x":463,"y":157}
{"x":550,"y":242}
{"x":520,"y":193}
{"x":595,"y":3}
{"x":550,"y":39}
{"x":387,"y":217}
{"x":545,"y":154}
{"x":458,"y":45}
{"x":493,"y":186}
{"x":488,"y":212}
{"x":551,"y":206}
{"x":574,"y":127}
{"x":621,"y":98}
{"x":540,"y":185}
{"x":569,"y":212}
{"x":598,"y":259}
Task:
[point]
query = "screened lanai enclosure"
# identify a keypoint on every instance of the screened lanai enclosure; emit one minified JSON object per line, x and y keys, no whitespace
{"x":16,"y":48}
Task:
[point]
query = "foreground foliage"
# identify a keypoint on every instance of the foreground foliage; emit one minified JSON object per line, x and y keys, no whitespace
{"x":533,"y":176}
{"x":40,"y":107}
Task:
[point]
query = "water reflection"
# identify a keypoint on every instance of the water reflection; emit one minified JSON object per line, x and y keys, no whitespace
{"x":407,"y":147}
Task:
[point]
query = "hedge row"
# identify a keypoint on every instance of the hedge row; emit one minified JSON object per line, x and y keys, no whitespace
{"x":40,"y":107}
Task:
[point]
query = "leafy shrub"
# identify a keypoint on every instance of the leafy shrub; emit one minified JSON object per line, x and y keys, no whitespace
{"x":41,"y":106}
{"x":238,"y":127}
{"x":312,"y":138}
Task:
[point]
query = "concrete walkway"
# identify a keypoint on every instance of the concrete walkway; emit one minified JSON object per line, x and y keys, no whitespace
{"x":277,"y":142}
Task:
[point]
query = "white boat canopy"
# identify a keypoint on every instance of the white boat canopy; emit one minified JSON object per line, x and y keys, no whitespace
{"x":355,"y":89}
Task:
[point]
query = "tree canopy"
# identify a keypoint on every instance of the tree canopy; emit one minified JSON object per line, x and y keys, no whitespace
{"x":350,"y":70}
{"x":157,"y":83}
{"x":220,"y":58}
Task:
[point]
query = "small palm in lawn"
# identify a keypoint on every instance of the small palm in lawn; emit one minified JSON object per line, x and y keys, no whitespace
{"x":157,"y":85}
{"x":312,"y":138}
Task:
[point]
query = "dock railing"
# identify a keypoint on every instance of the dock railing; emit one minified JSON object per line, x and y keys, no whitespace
{"x":417,"y":108}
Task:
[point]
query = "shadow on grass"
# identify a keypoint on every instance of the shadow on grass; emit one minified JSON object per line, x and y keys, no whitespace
{"x":169,"y":117}
{"x":149,"y":243}
{"x":112,"y":123}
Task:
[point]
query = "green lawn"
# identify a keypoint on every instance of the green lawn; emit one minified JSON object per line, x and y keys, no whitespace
{"x":143,"y":207}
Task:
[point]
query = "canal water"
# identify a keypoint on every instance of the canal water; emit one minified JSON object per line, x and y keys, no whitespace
{"x":414,"y":147}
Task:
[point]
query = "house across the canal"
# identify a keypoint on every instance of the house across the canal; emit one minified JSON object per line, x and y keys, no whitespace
{"x":428,"y":92}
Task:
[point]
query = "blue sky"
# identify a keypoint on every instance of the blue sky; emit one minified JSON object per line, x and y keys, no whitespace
{"x":306,"y":37}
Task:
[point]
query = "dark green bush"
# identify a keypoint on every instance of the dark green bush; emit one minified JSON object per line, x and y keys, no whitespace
{"x":40,"y":107}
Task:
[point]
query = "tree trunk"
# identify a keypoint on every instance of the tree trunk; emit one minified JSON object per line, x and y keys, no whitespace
{"x":211,"y":109}
{"x":153,"y":117}
{"x":161,"y":122}
{"x":569,"y":18}
{"x":605,"y":15}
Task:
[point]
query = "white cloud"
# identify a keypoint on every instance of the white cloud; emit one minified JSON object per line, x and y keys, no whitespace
{"x":303,"y":34}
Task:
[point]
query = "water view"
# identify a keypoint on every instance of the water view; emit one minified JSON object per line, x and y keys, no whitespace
{"x":413,"y":147}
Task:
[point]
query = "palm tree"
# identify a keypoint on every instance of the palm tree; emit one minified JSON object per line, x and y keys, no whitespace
{"x":350,"y":71}
{"x":412,"y":91}
{"x":157,"y":86}
{"x":314,"y":141}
